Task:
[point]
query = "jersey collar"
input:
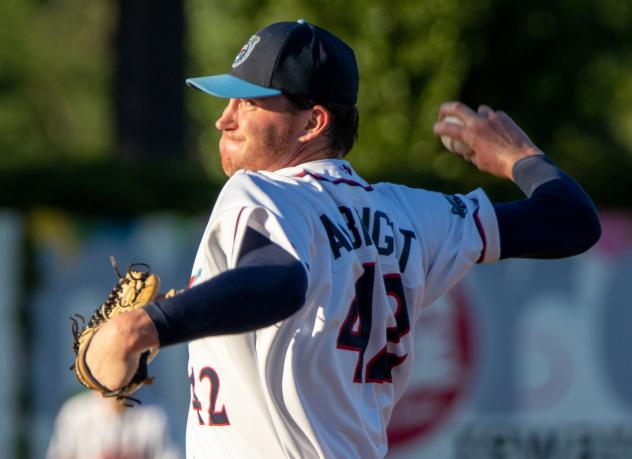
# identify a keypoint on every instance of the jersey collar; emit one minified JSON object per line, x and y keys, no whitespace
{"x":334,"y":170}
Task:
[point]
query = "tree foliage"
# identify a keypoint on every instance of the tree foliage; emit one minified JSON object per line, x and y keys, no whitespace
{"x":55,"y":80}
{"x":564,"y":70}
{"x":561,"y":68}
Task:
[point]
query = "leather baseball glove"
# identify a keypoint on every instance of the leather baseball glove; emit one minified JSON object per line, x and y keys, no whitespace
{"x":137,"y":287}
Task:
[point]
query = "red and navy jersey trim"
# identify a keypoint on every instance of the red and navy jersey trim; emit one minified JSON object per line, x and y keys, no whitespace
{"x":237,"y":222}
{"x":334,"y":181}
{"x":481,"y":232}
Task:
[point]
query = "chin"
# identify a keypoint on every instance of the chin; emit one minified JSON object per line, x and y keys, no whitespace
{"x":228,"y":171}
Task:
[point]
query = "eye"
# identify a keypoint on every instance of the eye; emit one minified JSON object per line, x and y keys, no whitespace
{"x":248,"y":103}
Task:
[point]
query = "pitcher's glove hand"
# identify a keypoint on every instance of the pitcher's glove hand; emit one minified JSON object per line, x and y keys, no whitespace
{"x":134,"y":289}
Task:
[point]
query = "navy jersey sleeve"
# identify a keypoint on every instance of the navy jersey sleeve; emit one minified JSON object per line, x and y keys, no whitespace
{"x":558,"y":219}
{"x":238,"y":300}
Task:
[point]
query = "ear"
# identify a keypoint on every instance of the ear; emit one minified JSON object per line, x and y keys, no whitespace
{"x":317,"y":121}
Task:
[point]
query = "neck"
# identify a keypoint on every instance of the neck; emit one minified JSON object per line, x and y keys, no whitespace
{"x":312,"y":151}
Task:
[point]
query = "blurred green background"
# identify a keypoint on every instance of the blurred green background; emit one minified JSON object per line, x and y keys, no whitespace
{"x":95,"y":116}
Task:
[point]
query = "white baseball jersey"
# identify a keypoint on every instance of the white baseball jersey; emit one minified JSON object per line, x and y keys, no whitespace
{"x":323,"y":383}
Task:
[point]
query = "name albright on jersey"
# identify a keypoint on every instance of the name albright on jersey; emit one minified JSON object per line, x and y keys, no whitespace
{"x":357,"y":234}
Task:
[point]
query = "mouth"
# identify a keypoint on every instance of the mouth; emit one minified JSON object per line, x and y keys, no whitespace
{"x":231,"y":138}
{"x":230,"y":144}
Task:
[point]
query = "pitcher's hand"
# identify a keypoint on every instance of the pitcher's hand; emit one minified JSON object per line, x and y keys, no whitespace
{"x":497,"y":142}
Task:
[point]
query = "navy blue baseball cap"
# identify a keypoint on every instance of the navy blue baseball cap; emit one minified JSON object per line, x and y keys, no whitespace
{"x":294,"y":58}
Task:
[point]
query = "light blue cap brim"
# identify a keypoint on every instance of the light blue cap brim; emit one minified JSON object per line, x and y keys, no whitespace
{"x":230,"y":87}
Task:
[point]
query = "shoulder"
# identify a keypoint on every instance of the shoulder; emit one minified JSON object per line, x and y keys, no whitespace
{"x":80,"y":402}
{"x":148,"y":415}
{"x":250,"y":181}
{"x":259,"y":189}
{"x":77,"y":412}
{"x":409,"y":196}
{"x":432,"y":210}
{"x":420,"y":197}
{"x":266,"y":179}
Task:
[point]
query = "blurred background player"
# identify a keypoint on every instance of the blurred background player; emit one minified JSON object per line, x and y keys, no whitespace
{"x":89,"y":426}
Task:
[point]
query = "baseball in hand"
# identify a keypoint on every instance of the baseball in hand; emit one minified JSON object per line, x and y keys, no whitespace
{"x":454,"y":145}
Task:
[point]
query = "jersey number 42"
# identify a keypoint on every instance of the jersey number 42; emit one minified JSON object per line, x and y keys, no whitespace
{"x":355,"y":331}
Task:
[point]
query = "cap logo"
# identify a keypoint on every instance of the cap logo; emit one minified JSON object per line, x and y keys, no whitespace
{"x":245,"y":51}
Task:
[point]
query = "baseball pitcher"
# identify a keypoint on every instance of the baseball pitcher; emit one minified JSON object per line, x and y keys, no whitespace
{"x":308,"y":281}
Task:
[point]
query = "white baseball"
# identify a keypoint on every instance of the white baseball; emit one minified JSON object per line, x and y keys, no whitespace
{"x":454,"y":145}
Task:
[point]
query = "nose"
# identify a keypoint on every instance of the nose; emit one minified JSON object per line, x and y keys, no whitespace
{"x":227,"y":120}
